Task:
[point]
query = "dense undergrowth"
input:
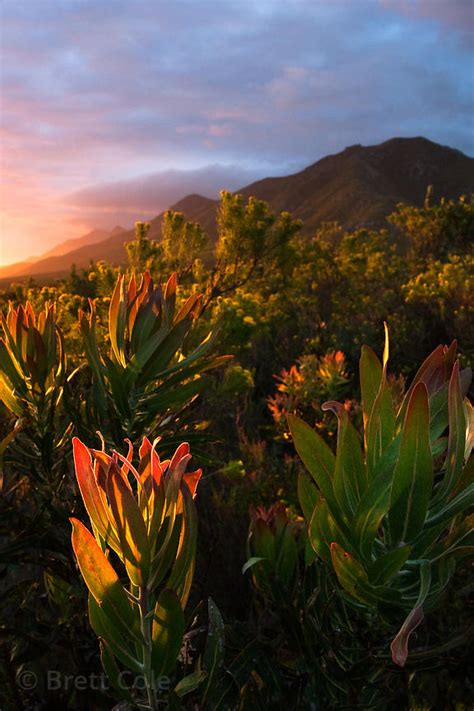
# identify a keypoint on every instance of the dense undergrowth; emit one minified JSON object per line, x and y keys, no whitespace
{"x":277,"y":582}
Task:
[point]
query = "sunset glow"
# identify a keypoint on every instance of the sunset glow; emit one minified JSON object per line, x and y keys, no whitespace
{"x":110,"y":112}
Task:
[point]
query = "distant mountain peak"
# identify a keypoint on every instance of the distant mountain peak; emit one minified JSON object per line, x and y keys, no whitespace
{"x":192,"y":202}
{"x":357,"y":187}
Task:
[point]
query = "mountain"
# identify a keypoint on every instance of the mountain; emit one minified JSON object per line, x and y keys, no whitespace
{"x":90,"y":238}
{"x":47,"y":262}
{"x":361,"y":185}
{"x":357,"y":187}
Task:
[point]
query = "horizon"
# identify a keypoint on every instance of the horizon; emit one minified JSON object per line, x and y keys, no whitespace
{"x":111,"y":114}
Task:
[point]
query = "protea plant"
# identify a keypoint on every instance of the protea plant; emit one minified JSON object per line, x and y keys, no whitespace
{"x":32,"y":361}
{"x":144,"y":524}
{"x":272,"y":549}
{"x":32,"y":381}
{"x":145,"y":380}
{"x":389,"y":515}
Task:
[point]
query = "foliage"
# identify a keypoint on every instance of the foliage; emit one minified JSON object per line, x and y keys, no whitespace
{"x":250,"y":240}
{"x":444,"y":292}
{"x":183,"y":243}
{"x":32,"y":384}
{"x":142,"y":379}
{"x":392,"y":521}
{"x":434,"y":232}
{"x":137,"y":361}
{"x":287,"y":304}
{"x":143,"y":252}
{"x":273,"y":543}
{"x":153,"y":533}
{"x":302,"y":389}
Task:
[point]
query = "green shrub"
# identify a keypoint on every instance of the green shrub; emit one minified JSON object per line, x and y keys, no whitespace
{"x":391,"y":517}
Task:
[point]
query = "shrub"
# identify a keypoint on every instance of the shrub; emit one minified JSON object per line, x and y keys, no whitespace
{"x":390,"y":518}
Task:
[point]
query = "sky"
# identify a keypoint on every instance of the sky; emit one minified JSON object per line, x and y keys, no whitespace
{"x":112,"y":110}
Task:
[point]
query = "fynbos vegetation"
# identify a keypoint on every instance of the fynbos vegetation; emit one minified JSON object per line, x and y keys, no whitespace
{"x":332,"y":522}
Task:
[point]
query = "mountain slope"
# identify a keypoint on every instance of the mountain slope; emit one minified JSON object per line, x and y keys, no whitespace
{"x":357,"y":187}
{"x":90,"y":238}
{"x":196,"y":208}
{"x":51,"y":260}
{"x":361,"y":185}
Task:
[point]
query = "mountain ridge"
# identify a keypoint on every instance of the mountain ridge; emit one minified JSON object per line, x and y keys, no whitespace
{"x":24,"y":268}
{"x":357,"y":187}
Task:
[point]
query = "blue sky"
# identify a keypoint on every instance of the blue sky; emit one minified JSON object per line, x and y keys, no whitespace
{"x":110,"y":110}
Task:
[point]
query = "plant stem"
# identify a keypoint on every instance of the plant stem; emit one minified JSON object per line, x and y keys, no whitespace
{"x":145,"y":624}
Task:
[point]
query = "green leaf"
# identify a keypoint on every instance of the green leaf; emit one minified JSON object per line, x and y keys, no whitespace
{"x":439,"y":412}
{"x":173,"y":480}
{"x":350,"y":478}
{"x":380,"y":429}
{"x":308,"y":495}
{"x":186,"y":553}
{"x":457,"y":436}
{"x":320,"y":530}
{"x":167,"y":349}
{"x":323,"y":531}
{"x":319,"y":461}
{"x":375,"y":504}
{"x":197,"y":354}
{"x":4,"y":445}
{"x":251,"y":562}
{"x":102,"y":580}
{"x":130,"y":527}
{"x":213,"y":658}
{"x":369,"y":514}
{"x":91,"y":351}
{"x":287,"y":560}
{"x":388,"y":565}
{"x":119,"y":645}
{"x":459,"y":541}
{"x":172,"y":396}
{"x":264,"y":542}
{"x":143,"y":349}
{"x":147,"y":332}
{"x":113,"y":672}
{"x":118,"y":320}
{"x":350,"y":573}
{"x":167,"y":633}
{"x":413,"y":476}
{"x":190,"y":683}
{"x":119,"y":386}
{"x":168,"y":542}
{"x":424,"y":542}
{"x":11,"y":369}
{"x":353,"y":578}
{"x":459,"y":503}
{"x":370,"y":373}
{"x":315,"y":455}
{"x":7,"y":396}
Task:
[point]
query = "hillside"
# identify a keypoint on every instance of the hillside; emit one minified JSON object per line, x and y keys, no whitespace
{"x":52,"y":261}
{"x":90,"y":238}
{"x":357,"y":187}
{"x":361,"y":185}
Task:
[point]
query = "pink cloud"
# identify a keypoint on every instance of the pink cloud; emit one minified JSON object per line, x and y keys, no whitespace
{"x":457,"y":13}
{"x":220,"y":130}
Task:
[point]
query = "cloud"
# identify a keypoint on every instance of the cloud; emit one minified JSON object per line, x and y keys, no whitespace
{"x":151,"y":194}
{"x":134,"y":93}
{"x":458,"y":14}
